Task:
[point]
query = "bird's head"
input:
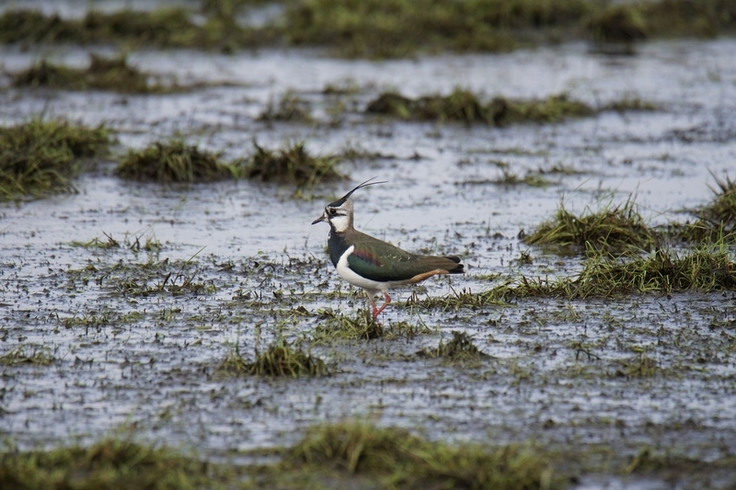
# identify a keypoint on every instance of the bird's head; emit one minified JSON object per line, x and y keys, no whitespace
{"x":339,"y":214}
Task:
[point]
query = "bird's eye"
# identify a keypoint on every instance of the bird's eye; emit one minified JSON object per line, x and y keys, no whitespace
{"x":332,"y":211}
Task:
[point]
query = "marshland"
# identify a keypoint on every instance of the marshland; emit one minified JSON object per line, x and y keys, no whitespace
{"x":169,"y":318}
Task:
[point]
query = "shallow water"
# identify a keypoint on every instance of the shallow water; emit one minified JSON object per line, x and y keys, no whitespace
{"x":557,"y":372}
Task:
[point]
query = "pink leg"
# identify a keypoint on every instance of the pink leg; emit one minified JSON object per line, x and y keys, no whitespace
{"x":374,"y":310}
{"x":387,"y":300}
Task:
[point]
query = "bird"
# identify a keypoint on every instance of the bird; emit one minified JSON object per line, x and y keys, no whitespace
{"x":372,"y":264}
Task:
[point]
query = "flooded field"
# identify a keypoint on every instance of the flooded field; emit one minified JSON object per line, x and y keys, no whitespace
{"x":121,"y":303}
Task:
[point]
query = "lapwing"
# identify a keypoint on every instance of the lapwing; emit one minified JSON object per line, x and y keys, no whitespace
{"x":372,"y":264}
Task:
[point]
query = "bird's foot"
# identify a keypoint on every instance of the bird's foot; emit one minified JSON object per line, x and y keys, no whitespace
{"x":377,"y":311}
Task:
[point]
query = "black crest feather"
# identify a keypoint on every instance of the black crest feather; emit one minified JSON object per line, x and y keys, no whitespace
{"x":344,"y":198}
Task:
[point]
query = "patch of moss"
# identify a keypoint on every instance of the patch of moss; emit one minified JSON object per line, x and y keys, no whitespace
{"x":611,"y":229}
{"x":394,"y":457}
{"x":280,"y":359}
{"x":102,"y":74}
{"x":292,"y":164}
{"x":175,"y":161}
{"x":41,"y":157}
{"x":112,"y":463}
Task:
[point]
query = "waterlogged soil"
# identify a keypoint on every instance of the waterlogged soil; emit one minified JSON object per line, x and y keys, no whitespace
{"x":120,"y":302}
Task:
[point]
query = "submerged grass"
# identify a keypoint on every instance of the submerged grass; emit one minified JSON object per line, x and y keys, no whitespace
{"x":610,"y":229}
{"x":111,"y":463}
{"x":41,"y":157}
{"x":459,"y":349}
{"x":290,"y":107}
{"x":175,"y":161}
{"x":280,"y":359}
{"x":27,"y":354}
{"x":467,"y":107}
{"x":394,"y":458}
{"x":291,"y":165}
{"x":102,"y":74}
{"x":363,"y":326}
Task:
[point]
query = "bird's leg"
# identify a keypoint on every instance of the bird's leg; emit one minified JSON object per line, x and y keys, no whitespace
{"x":374,"y":310}
{"x":387,"y":300}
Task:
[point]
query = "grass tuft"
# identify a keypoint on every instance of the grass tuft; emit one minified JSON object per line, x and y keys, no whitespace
{"x":399,"y":459}
{"x":27,"y":354}
{"x":111,"y":463}
{"x":41,"y":157}
{"x":293,"y":165}
{"x":381,"y":28}
{"x":290,"y":107}
{"x":174,"y":161}
{"x":363,"y":326}
{"x":102,"y":74}
{"x":611,"y":229}
{"x":460,"y":348}
{"x":466,"y":107}
{"x":663,"y":271}
{"x":717,"y":220}
{"x":618,"y":23}
{"x":280,"y":359}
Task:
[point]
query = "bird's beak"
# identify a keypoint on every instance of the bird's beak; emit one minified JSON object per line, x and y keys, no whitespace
{"x":320,"y":219}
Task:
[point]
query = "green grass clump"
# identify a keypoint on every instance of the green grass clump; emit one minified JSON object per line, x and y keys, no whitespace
{"x":27,"y":354}
{"x":618,"y":23}
{"x":102,"y":74}
{"x":112,"y":463}
{"x":460,"y":348}
{"x":717,"y":220}
{"x":41,"y":157}
{"x":280,"y":359}
{"x":382,"y":28}
{"x":663,"y":271}
{"x":289,"y":108}
{"x":394,"y":458}
{"x":292,"y":165}
{"x":706,"y":269}
{"x":611,"y":229}
{"x":363,"y":326}
{"x":395,"y":28}
{"x":166,"y":27}
{"x":466,"y":107}
{"x":175,"y":161}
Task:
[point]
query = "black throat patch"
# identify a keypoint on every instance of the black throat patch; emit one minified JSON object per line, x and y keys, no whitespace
{"x":336,"y":244}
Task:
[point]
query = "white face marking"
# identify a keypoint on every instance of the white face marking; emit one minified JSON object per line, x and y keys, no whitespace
{"x":341,"y":217}
{"x":341,"y":222}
